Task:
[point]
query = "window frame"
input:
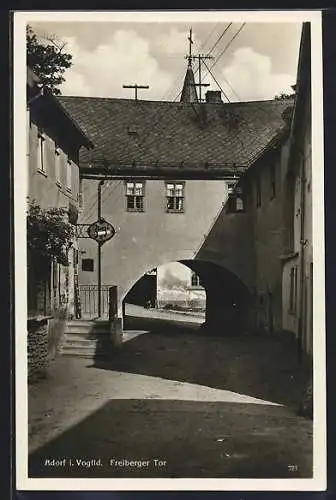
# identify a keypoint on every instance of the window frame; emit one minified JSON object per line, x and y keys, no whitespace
{"x":68,"y":175}
{"x":58,"y":165}
{"x":86,"y":261}
{"x":175,"y":210}
{"x":41,"y":164}
{"x":192,"y":278}
{"x":135,"y":197}
{"x":80,"y":196}
{"x":234,"y":196}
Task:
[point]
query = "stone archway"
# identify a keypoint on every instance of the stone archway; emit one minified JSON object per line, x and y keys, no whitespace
{"x":229,"y":307}
{"x":229,"y":303}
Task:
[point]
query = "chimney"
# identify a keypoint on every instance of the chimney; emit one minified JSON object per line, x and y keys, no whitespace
{"x":213,"y":96}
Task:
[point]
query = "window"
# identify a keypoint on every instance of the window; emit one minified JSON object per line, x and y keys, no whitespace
{"x":135,"y":192}
{"x":58,"y":165}
{"x":87,"y":265}
{"x":258,"y":191}
{"x":293,"y":290}
{"x":231,"y":186}
{"x":41,"y":164}
{"x":240,"y":206}
{"x":236,"y":199}
{"x":80,"y":195}
{"x":68,"y":174}
{"x":272,"y":182}
{"x":175,"y":197}
{"x":195,"y":281}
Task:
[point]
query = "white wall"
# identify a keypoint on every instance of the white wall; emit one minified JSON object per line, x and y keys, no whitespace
{"x":144,"y":241}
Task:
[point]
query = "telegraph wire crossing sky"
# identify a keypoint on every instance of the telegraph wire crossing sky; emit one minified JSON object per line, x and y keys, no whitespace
{"x":251,"y":61}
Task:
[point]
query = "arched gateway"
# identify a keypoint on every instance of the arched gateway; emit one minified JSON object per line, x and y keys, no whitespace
{"x":228,"y":301}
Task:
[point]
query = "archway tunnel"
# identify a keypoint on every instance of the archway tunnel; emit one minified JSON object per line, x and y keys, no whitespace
{"x":228,"y":302}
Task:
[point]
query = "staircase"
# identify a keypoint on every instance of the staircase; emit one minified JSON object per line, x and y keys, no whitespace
{"x":87,"y":339}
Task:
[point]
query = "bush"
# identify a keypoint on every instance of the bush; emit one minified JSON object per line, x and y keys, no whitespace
{"x":49,"y":234}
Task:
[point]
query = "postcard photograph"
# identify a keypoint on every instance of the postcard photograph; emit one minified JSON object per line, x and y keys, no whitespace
{"x":169,"y":250}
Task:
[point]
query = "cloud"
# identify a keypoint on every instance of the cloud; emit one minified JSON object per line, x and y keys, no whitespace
{"x":171,"y":281}
{"x":174,"y":43}
{"x":124,"y":58}
{"x":250,"y":75}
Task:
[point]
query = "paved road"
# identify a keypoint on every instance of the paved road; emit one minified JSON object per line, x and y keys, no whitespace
{"x":173,"y":404}
{"x":141,"y":312}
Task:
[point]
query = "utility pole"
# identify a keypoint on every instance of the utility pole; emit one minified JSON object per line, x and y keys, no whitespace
{"x":200,"y":58}
{"x":99,"y":248}
{"x":136,"y":87}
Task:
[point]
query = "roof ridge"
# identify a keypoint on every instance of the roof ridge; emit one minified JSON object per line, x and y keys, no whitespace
{"x":178,"y":103}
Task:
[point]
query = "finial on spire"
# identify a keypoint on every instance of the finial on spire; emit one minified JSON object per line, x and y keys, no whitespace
{"x":190,"y":43}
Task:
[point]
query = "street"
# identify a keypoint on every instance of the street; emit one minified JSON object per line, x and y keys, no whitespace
{"x":173,"y":403}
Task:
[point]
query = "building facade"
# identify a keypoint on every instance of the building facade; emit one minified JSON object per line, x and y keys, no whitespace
{"x":266,"y":225}
{"x":53,"y":143}
{"x":298,"y":259}
{"x":154,"y":228}
{"x":162,"y":221}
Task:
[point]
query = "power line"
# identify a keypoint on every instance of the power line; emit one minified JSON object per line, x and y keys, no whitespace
{"x":208,"y":37}
{"x":228,"y":45}
{"x":90,"y":211}
{"x":219,"y":39}
{"x":233,"y":90}
{"x":218,"y":57}
{"x":213,"y":76}
{"x":209,"y":69}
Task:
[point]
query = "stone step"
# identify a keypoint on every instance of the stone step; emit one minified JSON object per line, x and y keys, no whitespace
{"x":90,"y":328}
{"x":83,"y":322}
{"x":86,"y":350}
{"x":85,"y":354}
{"x":81,"y":343}
{"x":86,"y":336}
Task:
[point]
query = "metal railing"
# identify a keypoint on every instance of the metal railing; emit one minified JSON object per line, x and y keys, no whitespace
{"x":88,"y":295}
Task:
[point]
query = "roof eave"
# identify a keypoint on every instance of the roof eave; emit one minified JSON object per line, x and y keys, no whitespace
{"x":86,"y":142}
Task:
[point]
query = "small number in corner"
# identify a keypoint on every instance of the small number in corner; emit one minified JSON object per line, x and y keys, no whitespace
{"x":293,"y":468}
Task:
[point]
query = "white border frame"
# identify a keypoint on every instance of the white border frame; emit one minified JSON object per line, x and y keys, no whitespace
{"x":318,"y":482}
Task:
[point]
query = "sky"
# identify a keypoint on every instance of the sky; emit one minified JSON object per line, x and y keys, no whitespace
{"x":260,"y":62}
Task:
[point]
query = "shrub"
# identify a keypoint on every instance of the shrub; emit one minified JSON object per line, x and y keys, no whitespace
{"x":49,"y":234}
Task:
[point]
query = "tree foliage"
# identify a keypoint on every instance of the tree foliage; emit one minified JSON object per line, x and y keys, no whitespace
{"x":48,"y":60}
{"x":49,"y":234}
{"x":283,"y":95}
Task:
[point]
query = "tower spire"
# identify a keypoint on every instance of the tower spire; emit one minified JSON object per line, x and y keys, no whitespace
{"x":189,"y":93}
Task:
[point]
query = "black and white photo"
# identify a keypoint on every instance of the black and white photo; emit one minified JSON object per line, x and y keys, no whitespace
{"x":169,"y":277}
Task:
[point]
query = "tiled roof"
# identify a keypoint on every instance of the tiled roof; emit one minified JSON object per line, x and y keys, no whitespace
{"x":126,"y":131}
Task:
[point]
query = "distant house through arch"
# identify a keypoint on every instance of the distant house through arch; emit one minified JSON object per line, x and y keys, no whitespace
{"x":227,"y":301}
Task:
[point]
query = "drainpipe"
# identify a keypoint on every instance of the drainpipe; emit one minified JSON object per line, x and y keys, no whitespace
{"x":99,"y":250}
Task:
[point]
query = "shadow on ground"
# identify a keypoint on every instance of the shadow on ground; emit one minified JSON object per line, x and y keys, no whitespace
{"x":260,"y":366}
{"x":190,"y":439}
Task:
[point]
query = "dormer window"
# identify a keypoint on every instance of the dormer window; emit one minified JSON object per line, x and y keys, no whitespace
{"x":236,"y":200}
